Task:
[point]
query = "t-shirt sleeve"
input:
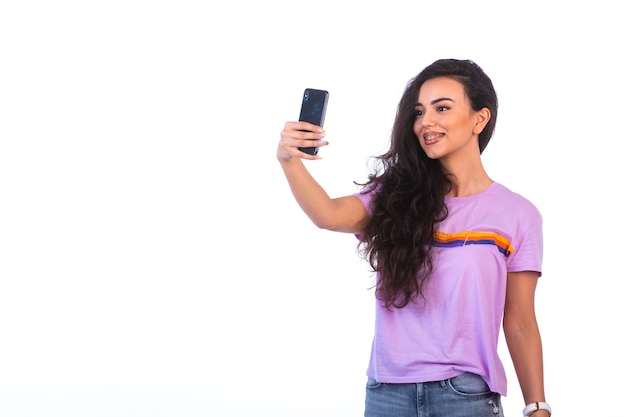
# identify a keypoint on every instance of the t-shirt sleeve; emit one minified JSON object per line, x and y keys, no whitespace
{"x":366,"y":198}
{"x":528,"y":245}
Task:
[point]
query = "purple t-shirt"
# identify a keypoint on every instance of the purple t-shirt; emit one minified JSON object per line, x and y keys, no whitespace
{"x":455,"y":329}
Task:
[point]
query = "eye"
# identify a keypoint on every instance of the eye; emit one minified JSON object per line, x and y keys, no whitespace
{"x":442,"y":108}
{"x":418,"y":113}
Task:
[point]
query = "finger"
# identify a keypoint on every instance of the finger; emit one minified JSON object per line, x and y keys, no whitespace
{"x":291,"y":142}
{"x":290,"y":135}
{"x":306,"y":126}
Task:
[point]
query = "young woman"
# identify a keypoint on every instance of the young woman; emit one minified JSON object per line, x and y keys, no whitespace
{"x":456,"y":254}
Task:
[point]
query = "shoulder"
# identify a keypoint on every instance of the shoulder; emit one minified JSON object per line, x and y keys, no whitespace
{"x":513,"y":202}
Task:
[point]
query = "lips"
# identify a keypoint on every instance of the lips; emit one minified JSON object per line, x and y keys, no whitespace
{"x":431,"y":138}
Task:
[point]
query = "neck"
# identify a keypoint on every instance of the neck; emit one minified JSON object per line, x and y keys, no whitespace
{"x":470,"y":186}
{"x":468,"y":178}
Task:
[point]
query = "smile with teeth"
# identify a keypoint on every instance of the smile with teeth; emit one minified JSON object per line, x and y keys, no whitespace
{"x":432,"y":137}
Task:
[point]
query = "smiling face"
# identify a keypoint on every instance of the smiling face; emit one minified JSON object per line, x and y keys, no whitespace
{"x":445,"y":124}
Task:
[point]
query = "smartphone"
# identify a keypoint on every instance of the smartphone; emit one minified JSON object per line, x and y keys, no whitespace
{"x":313,"y":110}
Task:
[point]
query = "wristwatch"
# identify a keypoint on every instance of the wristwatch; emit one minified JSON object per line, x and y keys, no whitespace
{"x":532,"y":407}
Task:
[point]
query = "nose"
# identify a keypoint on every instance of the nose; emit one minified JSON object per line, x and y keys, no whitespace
{"x":428,"y":119}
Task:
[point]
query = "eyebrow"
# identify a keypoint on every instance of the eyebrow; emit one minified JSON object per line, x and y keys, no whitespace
{"x":435,"y":101}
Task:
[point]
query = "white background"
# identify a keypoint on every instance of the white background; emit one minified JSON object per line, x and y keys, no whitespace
{"x":152,"y":260}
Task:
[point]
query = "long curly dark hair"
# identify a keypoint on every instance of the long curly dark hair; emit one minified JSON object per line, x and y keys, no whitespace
{"x":410,"y":189}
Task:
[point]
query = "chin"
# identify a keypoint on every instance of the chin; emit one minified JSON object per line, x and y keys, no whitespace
{"x":433,"y":155}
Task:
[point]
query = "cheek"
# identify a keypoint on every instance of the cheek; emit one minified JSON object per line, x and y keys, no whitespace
{"x":417,"y":126}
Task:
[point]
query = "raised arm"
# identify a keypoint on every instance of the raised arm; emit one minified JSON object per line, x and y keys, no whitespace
{"x":343,"y":214}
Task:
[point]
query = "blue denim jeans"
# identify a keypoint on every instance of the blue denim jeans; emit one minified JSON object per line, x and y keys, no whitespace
{"x":466,"y":395}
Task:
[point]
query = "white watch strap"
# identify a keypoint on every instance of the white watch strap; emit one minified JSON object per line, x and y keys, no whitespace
{"x":532,"y":407}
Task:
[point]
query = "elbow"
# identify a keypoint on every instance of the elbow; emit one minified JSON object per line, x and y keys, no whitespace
{"x":514,"y":327}
{"x":329,"y":223}
{"x":512,"y":324}
{"x":323,"y":224}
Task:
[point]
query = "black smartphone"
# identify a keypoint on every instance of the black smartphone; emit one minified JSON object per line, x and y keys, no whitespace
{"x":313,"y":110}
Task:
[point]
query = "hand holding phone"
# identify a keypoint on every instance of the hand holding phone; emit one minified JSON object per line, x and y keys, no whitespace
{"x":313,"y":110}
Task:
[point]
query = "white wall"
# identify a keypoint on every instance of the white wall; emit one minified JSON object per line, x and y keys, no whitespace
{"x":152,"y":260}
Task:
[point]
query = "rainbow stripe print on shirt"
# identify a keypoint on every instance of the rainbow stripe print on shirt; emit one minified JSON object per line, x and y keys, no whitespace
{"x":468,"y":237}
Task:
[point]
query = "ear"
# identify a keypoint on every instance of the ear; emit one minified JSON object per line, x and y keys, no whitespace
{"x":481,"y":118}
